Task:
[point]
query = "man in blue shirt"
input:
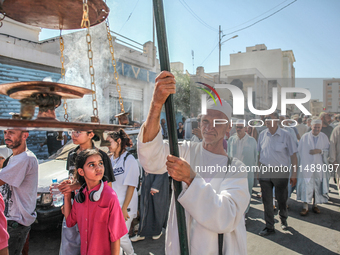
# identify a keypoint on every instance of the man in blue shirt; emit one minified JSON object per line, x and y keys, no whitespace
{"x":275,"y":147}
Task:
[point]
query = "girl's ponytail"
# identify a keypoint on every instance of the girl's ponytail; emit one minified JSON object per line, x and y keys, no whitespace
{"x":124,"y":138}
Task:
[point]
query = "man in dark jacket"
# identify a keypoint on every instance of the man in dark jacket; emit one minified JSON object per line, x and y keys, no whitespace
{"x":154,"y":194}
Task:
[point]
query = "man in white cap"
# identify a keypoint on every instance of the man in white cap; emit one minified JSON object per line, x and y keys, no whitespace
{"x":243,"y":147}
{"x":313,"y":179}
{"x":18,"y":186}
{"x":214,"y":200}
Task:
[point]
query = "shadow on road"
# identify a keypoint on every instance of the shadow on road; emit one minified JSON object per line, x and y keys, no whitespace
{"x":290,"y":239}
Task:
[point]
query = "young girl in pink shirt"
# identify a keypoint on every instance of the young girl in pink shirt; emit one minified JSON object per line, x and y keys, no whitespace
{"x":96,"y":208}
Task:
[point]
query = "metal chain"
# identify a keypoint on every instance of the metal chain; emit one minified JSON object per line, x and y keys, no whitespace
{"x":62,"y":58}
{"x":62,"y":61}
{"x":65,"y":108}
{"x":113,"y":61}
{"x":2,"y":17}
{"x":86,"y":24}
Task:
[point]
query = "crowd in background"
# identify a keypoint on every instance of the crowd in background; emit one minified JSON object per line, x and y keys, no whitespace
{"x":310,"y":145}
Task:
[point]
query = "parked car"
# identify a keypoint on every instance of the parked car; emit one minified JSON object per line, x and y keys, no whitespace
{"x":55,"y":167}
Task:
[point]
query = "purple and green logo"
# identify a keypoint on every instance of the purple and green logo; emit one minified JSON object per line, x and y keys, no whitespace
{"x":208,"y":92}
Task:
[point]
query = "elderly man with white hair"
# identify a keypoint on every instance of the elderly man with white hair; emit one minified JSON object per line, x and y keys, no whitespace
{"x":313,"y":179}
{"x":214,"y":200}
{"x":277,"y":152}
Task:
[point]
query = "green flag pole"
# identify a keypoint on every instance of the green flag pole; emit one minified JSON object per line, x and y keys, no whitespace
{"x":171,"y":120}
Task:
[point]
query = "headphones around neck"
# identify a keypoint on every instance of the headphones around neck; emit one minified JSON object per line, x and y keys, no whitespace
{"x":94,"y":195}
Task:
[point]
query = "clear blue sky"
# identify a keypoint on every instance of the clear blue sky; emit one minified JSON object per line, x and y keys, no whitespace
{"x":310,"y":28}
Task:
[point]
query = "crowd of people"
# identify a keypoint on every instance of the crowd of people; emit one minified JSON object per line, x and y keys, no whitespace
{"x":217,"y":169}
{"x":307,"y":146}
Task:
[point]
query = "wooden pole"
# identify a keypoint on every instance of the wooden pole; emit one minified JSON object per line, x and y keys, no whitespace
{"x":171,"y":120}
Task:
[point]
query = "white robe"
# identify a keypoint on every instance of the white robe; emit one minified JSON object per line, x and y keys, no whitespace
{"x":212,"y":205}
{"x":244,"y":149}
{"x":309,"y":181}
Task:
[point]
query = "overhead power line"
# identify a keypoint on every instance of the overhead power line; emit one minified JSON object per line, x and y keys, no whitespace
{"x":209,"y":54}
{"x":261,"y":19}
{"x":251,"y":24}
{"x":257,"y":16}
{"x":187,"y":7}
{"x":129,"y":16}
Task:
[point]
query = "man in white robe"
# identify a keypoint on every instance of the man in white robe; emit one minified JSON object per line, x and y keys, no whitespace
{"x":313,"y":177}
{"x":214,"y":201}
{"x":334,"y":154}
{"x":243,"y":147}
{"x":302,"y":128}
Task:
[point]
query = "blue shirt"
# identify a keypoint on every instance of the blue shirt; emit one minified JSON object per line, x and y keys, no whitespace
{"x":276,"y":149}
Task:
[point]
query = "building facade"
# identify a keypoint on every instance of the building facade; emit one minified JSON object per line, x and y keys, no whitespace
{"x":24,"y":58}
{"x":256,"y":71}
{"x":315,"y":107}
{"x":331,"y":95}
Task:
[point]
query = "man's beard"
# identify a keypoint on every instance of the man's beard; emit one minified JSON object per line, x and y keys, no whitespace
{"x":14,"y":145}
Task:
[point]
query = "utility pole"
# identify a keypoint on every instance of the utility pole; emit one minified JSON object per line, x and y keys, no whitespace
{"x":171,"y":122}
{"x":219,"y":54}
{"x":193,"y":62}
{"x":153,"y":39}
{"x":220,"y":36}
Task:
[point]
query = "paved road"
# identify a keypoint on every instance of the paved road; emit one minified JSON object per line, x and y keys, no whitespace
{"x":314,"y":234}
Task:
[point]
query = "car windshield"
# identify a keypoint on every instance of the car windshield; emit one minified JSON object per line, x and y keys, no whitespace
{"x":63,"y":152}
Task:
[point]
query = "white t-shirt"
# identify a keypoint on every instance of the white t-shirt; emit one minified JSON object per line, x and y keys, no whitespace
{"x":126,"y":175}
{"x":20,"y":188}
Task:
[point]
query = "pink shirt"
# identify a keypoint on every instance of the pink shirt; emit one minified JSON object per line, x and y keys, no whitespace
{"x":99,"y":223}
{"x":3,"y":225}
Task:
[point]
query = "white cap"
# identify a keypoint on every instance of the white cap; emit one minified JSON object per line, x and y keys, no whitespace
{"x":316,"y":121}
{"x":224,"y":108}
{"x":242,"y":122}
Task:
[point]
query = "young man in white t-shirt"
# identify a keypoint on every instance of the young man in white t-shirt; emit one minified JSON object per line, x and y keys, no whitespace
{"x":19,"y":182}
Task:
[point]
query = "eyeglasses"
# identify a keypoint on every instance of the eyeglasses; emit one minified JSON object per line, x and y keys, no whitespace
{"x":76,"y":133}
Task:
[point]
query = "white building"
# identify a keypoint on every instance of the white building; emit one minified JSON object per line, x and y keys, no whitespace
{"x":24,"y":58}
{"x":272,"y":64}
{"x":331,"y":95}
{"x":296,"y":110}
{"x":316,"y":107}
{"x":259,"y":69}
